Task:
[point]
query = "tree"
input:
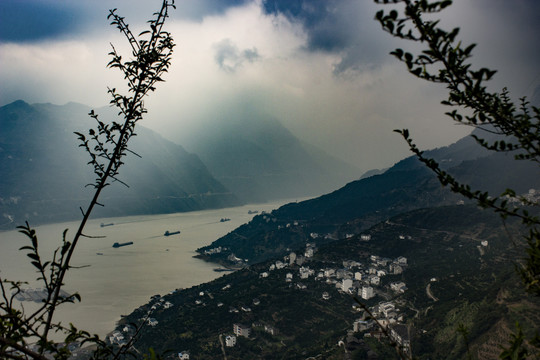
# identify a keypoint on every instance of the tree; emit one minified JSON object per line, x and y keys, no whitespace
{"x":107,"y":145}
{"x":445,"y":60}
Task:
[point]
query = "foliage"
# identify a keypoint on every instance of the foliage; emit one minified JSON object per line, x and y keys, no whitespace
{"x":107,"y":145}
{"x":445,"y":60}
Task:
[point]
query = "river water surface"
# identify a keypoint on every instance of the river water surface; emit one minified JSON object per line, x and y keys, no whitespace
{"x":115,"y":281}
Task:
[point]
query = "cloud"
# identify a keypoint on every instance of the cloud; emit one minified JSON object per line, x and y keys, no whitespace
{"x":229,"y":57}
{"x":35,"y":20}
{"x":321,"y":67}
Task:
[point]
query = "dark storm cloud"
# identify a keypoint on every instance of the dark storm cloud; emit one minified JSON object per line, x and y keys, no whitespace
{"x":34,"y":20}
{"x":344,"y":27}
{"x":348,"y":28}
{"x":229,"y":57}
{"x":322,"y":19}
{"x":198,"y":9}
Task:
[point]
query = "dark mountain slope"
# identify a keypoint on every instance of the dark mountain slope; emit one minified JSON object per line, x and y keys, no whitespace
{"x":406,"y":186}
{"x":473,"y":284}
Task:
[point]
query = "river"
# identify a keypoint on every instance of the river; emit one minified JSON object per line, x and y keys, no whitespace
{"x":115,"y":281}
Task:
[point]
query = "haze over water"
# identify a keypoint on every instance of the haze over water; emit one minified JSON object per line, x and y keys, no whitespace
{"x":121,"y":279}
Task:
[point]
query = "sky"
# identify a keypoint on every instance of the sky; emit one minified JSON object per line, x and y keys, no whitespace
{"x":321,"y":67}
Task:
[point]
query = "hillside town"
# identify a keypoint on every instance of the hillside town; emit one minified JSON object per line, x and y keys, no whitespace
{"x":363,"y":279}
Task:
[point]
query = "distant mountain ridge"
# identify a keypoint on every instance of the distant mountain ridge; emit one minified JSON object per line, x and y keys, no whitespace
{"x":406,"y":186}
{"x":45,"y":171}
{"x":259,"y":160}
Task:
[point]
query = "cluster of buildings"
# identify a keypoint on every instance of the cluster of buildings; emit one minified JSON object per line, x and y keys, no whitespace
{"x":354,"y":277}
{"x":382,"y":320}
{"x":364,"y":278}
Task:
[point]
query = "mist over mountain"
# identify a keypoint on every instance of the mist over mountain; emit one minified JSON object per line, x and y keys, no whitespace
{"x":259,"y":159}
{"x":45,"y":172}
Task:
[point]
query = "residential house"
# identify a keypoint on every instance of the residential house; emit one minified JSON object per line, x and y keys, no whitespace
{"x":167,"y":305}
{"x":395,"y":268}
{"x":366,"y":292}
{"x":346,"y":284}
{"x":329,"y":272}
{"x":401,"y":335}
{"x":362,"y":325}
{"x":306,"y":272}
{"x":230,"y":340}
{"x":241,"y":330}
{"x":398,"y":287}
{"x":292,"y":258}
{"x":271,"y":330}
{"x":402,"y":260}
{"x":184,"y":355}
{"x":374,"y":279}
{"x":301,"y":286}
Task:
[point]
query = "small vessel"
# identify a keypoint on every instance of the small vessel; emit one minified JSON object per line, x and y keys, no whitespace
{"x":169,"y":233}
{"x":117,"y":245}
{"x":253,"y":212}
{"x":109,"y":224}
{"x":99,"y":253}
{"x":224,"y":219}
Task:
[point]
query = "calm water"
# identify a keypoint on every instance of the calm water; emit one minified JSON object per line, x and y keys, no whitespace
{"x":121,"y":279}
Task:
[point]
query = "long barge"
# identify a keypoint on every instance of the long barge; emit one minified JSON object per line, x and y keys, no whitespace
{"x":117,"y":245}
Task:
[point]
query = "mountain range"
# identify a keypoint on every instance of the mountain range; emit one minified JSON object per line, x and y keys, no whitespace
{"x":406,"y":186}
{"x":45,"y":170}
{"x":241,"y":162}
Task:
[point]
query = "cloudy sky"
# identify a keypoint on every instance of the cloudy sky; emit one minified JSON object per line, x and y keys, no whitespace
{"x":319,"y":66}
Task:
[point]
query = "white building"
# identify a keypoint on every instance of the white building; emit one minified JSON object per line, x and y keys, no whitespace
{"x":402,"y":260}
{"x":306,"y":272}
{"x":230,"y":340}
{"x":398,"y":287}
{"x":346,"y":284}
{"x":241,"y":330}
{"x":184,"y":355}
{"x":367,"y":292}
{"x":329,"y":272}
{"x":292,"y":258}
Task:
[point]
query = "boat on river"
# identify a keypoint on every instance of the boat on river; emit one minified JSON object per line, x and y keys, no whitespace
{"x":117,"y":245}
